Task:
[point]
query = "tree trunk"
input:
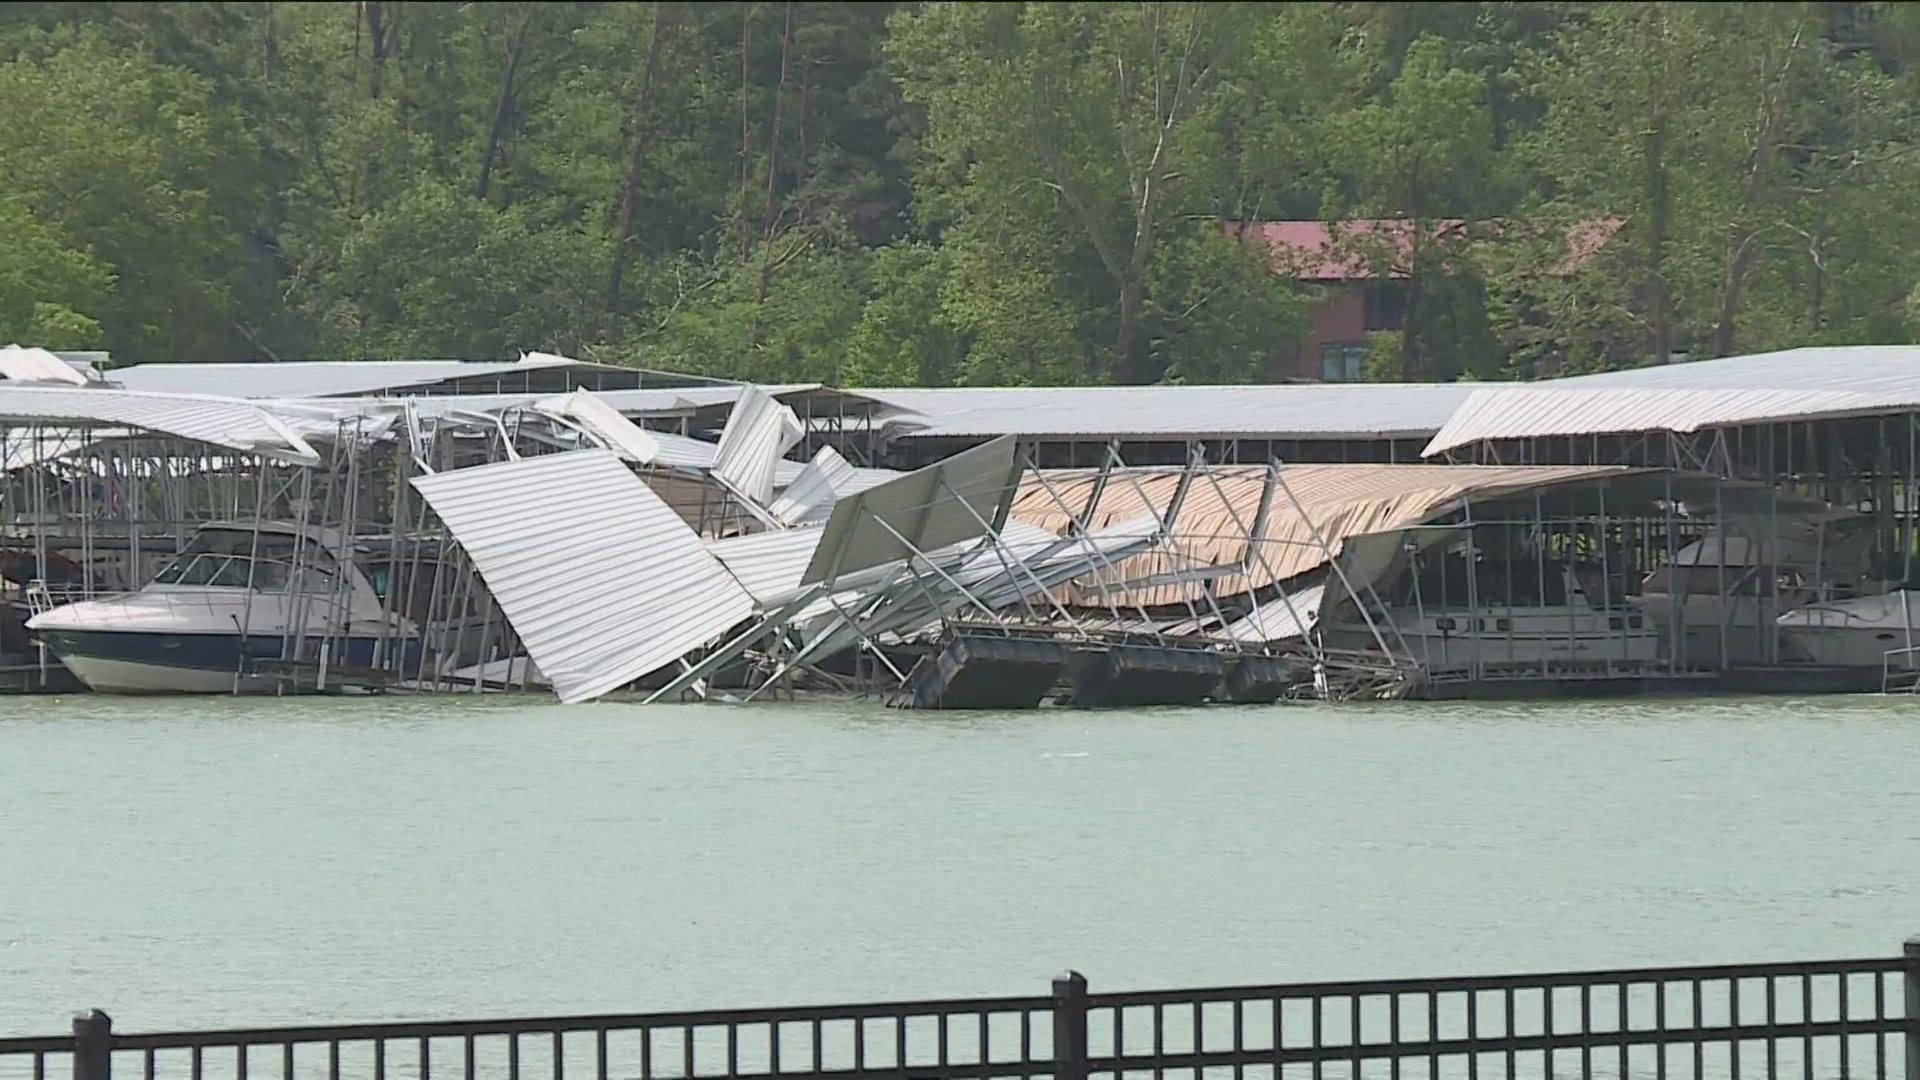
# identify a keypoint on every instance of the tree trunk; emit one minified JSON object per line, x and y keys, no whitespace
{"x":1130,"y":368}
{"x":770,"y":216}
{"x":1409,"y":330}
{"x":1659,"y":207}
{"x":502,"y":108}
{"x":1738,"y":264}
{"x":666,"y":21}
{"x":377,"y":42}
{"x":746,"y":133}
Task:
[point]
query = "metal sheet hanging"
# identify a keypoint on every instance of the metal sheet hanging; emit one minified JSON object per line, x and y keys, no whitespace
{"x":964,"y":496}
{"x":601,"y":579}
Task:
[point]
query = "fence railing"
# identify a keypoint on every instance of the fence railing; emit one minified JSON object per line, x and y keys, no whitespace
{"x":1811,"y":1021}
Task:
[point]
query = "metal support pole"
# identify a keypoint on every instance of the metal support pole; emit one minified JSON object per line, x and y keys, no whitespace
{"x":1070,"y":1027}
{"x":93,"y":1043}
{"x":1911,"y":992}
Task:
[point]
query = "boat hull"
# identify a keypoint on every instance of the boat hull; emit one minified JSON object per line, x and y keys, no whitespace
{"x":1864,"y":632}
{"x":1506,"y":637}
{"x":122,"y":662}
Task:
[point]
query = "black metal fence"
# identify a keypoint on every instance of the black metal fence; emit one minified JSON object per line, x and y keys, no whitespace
{"x":1810,"y":1021}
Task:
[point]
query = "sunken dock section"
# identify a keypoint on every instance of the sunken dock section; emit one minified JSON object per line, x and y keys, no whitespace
{"x":978,"y":672}
{"x":1121,"y":675}
{"x":985,"y":671}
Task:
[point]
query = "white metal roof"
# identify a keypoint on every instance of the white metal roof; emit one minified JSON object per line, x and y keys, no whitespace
{"x":1282,"y":618}
{"x":768,"y":564}
{"x":758,"y":434}
{"x":812,"y":492}
{"x":1288,"y":411}
{"x":1819,"y":382}
{"x":39,"y":366}
{"x":1548,"y":410}
{"x":309,"y":378}
{"x":237,"y":425}
{"x":601,"y":579}
{"x":591,"y":413}
{"x":336,"y":378}
{"x":1876,"y":369}
{"x":954,"y":499}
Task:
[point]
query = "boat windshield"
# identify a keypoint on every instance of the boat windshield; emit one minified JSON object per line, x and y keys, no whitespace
{"x":238,"y":572}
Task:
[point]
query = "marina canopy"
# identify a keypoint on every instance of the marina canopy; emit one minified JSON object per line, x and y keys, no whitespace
{"x":534,"y":373}
{"x":1829,"y":382}
{"x":1097,"y":413}
{"x":1240,"y":529}
{"x":225,"y":422}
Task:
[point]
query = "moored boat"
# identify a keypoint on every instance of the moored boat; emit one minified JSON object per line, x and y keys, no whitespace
{"x":238,"y":594}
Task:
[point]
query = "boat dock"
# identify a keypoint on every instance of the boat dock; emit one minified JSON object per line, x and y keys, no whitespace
{"x":548,"y":525}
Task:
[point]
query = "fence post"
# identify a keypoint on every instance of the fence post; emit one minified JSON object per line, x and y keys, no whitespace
{"x":92,"y":1045}
{"x":1911,"y":993}
{"x":1070,"y":1027}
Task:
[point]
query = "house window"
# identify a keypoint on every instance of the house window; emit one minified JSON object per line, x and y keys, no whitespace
{"x":1343,"y":361}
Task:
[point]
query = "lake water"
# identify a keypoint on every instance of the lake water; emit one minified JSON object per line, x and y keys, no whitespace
{"x":223,"y":862}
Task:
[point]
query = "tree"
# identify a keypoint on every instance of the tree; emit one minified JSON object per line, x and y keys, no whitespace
{"x":1064,"y":131}
{"x":1421,"y":157}
{"x":1744,"y":150}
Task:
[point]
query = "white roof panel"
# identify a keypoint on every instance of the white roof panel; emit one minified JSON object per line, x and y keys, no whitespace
{"x":237,"y":425}
{"x":606,"y":423}
{"x":955,"y":499}
{"x":601,"y":579}
{"x":1280,"y":619}
{"x":1550,"y":410}
{"x":39,"y":366}
{"x":1278,"y":411}
{"x":826,"y":478}
{"x":769,"y":564}
{"x":1892,"y":370}
{"x":758,"y":434}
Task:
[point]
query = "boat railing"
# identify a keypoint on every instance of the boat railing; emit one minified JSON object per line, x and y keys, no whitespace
{"x":1910,"y":671}
{"x":44,"y":596}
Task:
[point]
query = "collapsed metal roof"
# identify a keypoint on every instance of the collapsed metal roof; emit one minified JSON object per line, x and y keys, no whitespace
{"x":541,"y":373}
{"x":601,"y":579}
{"x":1238,"y":529}
{"x":218,"y":421}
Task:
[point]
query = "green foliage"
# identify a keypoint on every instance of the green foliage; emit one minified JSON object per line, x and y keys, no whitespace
{"x":941,"y":193}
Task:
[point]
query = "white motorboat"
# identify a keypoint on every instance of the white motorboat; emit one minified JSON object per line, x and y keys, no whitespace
{"x":1725,"y":594}
{"x":238,"y":593}
{"x":1866,"y":631}
{"x":1572,"y":634}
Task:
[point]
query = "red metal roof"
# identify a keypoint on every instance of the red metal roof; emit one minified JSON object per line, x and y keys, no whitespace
{"x":1338,"y":251}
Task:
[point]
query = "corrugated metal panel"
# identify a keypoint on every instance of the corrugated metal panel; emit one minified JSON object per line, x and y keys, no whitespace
{"x":599,"y":577}
{"x":768,"y":564}
{"x":1026,"y":560}
{"x":946,"y":502}
{"x":617,"y":432}
{"x":298,"y":379}
{"x":1298,"y":411}
{"x":37,"y":365}
{"x":1280,"y":619}
{"x":759,"y":432}
{"x":827,"y":477}
{"x":238,"y":425}
{"x":1318,"y":507}
{"x":1889,"y":371}
{"x":1550,"y":410}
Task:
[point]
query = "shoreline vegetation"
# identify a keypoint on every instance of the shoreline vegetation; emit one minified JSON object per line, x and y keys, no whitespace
{"x":957,"y":194}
